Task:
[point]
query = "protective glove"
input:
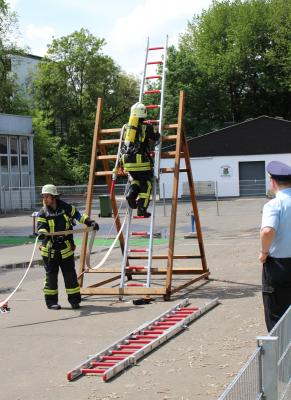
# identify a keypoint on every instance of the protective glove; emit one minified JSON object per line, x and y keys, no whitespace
{"x":42,"y":236}
{"x":92,"y":223}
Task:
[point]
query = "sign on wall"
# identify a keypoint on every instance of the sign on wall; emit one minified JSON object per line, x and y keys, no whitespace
{"x":225,"y":171}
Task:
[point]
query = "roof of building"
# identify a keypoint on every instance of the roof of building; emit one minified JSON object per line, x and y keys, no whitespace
{"x":261,"y":135}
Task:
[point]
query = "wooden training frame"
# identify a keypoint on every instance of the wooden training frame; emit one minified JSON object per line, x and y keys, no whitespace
{"x":182,"y":151}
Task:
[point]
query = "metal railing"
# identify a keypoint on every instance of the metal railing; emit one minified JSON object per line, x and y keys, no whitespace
{"x":29,"y":198}
{"x":267,"y":373}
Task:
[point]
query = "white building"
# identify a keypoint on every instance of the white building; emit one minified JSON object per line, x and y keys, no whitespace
{"x":23,"y":67}
{"x":16,"y":162}
{"x":232,"y":161}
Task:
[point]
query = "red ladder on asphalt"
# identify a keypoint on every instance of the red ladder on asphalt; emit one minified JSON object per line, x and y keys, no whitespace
{"x":135,"y":345}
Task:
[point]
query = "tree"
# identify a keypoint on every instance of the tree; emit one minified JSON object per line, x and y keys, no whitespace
{"x":235,"y":60}
{"x":11,"y":98}
{"x":69,"y":80}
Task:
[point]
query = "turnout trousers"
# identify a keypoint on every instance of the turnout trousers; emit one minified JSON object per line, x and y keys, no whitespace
{"x":141,"y":187}
{"x":67,"y":266}
{"x":276,"y":287}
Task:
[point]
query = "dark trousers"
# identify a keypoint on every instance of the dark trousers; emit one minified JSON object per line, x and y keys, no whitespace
{"x":141,"y":187}
{"x":67,"y":266}
{"x":276,"y":282}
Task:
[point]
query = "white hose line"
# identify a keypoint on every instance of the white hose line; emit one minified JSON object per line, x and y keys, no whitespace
{"x":110,"y":248}
{"x":24,"y":276}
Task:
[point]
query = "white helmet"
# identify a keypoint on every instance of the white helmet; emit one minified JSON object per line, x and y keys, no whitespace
{"x":50,"y":189}
{"x":138,"y":110}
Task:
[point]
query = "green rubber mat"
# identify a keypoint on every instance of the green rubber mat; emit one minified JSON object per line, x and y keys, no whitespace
{"x":18,"y":240}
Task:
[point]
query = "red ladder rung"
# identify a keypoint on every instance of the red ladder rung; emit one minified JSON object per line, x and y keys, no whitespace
{"x":130,"y":346}
{"x":156,"y":48}
{"x":138,"y":250}
{"x":154,"y":77}
{"x":189,"y":308}
{"x":137,"y":268}
{"x":138,"y":217}
{"x":122,"y":352}
{"x":160,"y":328}
{"x":152,"y":121}
{"x":92,"y":371}
{"x":112,"y":358}
{"x":152,"y":91}
{"x":149,"y":336}
{"x":140,"y":233}
{"x":154,"y":62}
{"x":133,"y":341}
{"x":102,"y":364}
{"x":135,"y":284}
{"x":155,"y":332}
{"x":165,"y":323}
{"x":153,"y":106}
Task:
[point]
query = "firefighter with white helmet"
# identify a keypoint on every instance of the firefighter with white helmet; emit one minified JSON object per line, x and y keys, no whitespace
{"x":58,"y":251}
{"x":136,"y":158}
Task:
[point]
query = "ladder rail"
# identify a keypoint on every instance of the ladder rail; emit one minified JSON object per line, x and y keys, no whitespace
{"x":125,"y":252}
{"x":157,"y":166}
{"x":161,"y":117}
{"x":144,"y":73}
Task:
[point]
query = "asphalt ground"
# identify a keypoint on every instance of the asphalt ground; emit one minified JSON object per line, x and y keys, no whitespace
{"x":38,"y":346}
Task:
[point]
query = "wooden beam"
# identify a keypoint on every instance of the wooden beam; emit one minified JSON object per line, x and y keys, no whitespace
{"x":198,"y":278}
{"x":90,"y":186}
{"x":122,"y":291}
{"x":164,"y":257}
{"x":154,"y":270}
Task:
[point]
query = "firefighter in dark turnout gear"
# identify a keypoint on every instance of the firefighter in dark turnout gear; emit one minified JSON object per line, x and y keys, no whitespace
{"x":58,"y":251}
{"x":136,"y":159}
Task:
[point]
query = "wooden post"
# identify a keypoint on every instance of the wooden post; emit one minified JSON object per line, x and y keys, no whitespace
{"x":90,"y":187}
{"x":175,"y":196}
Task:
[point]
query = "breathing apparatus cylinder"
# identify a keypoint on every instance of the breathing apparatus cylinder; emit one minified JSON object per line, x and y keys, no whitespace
{"x":131,"y":130}
{"x":137,"y":111}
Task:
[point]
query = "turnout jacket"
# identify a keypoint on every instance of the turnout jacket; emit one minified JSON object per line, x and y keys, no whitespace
{"x":60,"y":219}
{"x":136,"y":156}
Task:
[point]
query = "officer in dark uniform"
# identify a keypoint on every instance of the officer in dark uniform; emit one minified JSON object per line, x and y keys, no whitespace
{"x":137,"y":161}
{"x":275,"y":251}
{"x":58,"y":251}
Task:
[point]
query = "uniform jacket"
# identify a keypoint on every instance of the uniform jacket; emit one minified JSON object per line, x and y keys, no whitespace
{"x":60,"y":219}
{"x":136,"y":157}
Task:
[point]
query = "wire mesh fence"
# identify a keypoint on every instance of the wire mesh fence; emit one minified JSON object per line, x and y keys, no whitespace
{"x":250,"y":383}
{"x":282,"y":330}
{"x":247,"y":384}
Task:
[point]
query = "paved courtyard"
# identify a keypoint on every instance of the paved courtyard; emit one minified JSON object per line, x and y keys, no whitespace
{"x":38,"y":346}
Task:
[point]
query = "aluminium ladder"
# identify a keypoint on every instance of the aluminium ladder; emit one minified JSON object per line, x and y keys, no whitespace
{"x":136,"y":344}
{"x":161,"y":92}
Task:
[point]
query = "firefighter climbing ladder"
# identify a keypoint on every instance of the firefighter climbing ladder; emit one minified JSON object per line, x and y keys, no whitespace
{"x":101,"y":142}
{"x":136,"y":344}
{"x":148,"y":78}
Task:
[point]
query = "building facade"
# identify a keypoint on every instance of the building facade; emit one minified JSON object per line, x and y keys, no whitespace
{"x":231,"y":162}
{"x":16,"y":162}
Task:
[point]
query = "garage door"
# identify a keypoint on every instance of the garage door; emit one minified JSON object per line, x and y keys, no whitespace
{"x":252,"y":178}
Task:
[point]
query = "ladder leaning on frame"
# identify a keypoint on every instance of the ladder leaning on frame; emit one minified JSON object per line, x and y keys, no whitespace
{"x":181,"y":151}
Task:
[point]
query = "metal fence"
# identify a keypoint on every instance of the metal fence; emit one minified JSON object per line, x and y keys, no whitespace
{"x":29,"y":198}
{"x":267,"y":373}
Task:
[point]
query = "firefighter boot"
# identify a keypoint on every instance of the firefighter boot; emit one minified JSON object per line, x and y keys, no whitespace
{"x":142,"y":212}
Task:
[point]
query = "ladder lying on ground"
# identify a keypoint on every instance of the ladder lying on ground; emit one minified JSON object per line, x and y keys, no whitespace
{"x":126,"y":269}
{"x":136,"y":344}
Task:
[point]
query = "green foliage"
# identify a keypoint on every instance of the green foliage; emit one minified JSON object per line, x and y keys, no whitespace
{"x":69,"y":80}
{"x":11,"y":99}
{"x":234,"y":63}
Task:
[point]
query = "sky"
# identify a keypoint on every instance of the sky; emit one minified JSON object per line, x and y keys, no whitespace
{"x":124,"y":24}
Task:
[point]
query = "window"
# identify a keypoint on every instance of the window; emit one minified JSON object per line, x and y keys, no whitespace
{"x":3,"y":145}
{"x":23,"y":146}
{"x":13,"y":146}
{"x":3,"y":164}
